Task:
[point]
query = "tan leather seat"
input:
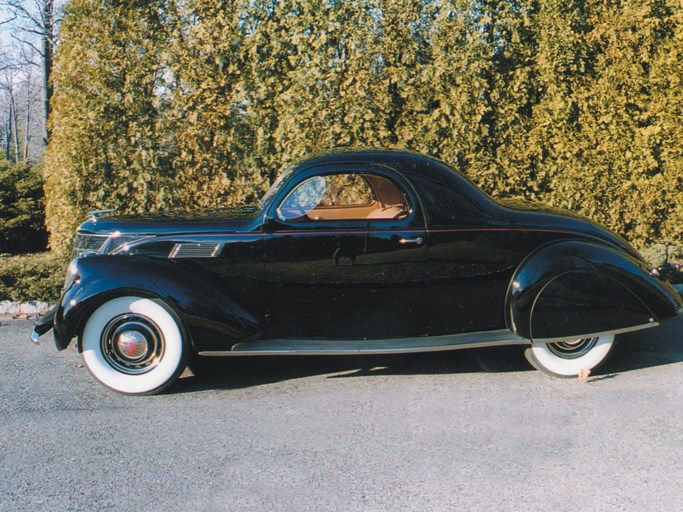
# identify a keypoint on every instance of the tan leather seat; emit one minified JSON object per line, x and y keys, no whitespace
{"x":391,"y":212}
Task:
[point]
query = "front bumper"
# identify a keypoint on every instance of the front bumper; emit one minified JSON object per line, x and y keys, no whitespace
{"x":43,"y":324}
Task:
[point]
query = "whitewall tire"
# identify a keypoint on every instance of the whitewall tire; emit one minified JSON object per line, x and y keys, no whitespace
{"x":134,"y":345}
{"x":570,"y":358}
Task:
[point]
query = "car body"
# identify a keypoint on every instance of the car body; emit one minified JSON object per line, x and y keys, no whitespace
{"x":351,"y":251}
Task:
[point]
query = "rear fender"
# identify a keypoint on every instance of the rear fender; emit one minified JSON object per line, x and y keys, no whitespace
{"x":209,"y":317}
{"x":572,"y":289}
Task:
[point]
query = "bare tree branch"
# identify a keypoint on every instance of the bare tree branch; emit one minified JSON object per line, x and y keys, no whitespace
{"x":41,"y":22}
{"x":8,"y":20}
{"x":32,"y":31}
{"x":34,"y":27}
{"x":28,"y":43}
{"x":10,"y":67}
{"x":18,"y":9}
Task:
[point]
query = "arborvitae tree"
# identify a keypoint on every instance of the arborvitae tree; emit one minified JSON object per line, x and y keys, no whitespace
{"x":328,"y":94}
{"x":213,"y":140}
{"x":403,"y":50}
{"x":508,"y":94}
{"x":561,"y":64}
{"x":476,"y":91}
{"x":267,"y":57}
{"x":309,"y":72}
{"x":620,"y":173}
{"x":447,"y":107}
{"x":666,"y":106}
{"x":108,"y":148}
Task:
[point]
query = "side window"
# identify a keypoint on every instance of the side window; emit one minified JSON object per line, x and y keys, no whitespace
{"x":347,"y":190}
{"x":346,"y":196}
{"x":303,"y":198}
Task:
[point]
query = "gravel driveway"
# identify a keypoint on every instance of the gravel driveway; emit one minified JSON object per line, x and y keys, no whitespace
{"x":451,"y":431}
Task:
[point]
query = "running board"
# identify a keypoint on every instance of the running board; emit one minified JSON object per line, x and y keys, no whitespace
{"x":387,"y":346}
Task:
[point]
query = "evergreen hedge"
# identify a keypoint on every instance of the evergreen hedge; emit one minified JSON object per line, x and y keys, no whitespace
{"x":197,"y":103}
{"x":31,"y":277}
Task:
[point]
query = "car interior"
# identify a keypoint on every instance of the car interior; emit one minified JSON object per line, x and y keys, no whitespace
{"x":345,"y":197}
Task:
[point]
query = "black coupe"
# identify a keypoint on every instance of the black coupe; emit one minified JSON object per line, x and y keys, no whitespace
{"x":368,"y":251}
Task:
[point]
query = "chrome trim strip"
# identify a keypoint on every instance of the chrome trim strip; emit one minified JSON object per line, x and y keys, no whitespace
{"x":131,"y":244}
{"x":385,"y":346}
{"x":598,"y":334}
{"x":174,"y":251}
{"x":217,"y":251}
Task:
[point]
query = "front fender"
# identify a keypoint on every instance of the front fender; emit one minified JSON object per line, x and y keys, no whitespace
{"x":576,"y":289}
{"x":209,"y":316}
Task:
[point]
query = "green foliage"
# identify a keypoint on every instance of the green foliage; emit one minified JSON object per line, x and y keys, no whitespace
{"x":31,"y":277}
{"x":22,"y":215}
{"x":212,"y":139}
{"x":199,"y":103}
{"x":110,"y":146}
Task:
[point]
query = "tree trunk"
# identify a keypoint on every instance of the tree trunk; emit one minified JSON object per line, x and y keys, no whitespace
{"x":13,"y":110}
{"x":47,"y":39}
{"x":27,"y":131}
{"x":8,"y":135}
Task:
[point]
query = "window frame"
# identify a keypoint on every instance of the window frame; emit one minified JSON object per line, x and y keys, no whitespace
{"x":320,"y":206}
{"x":414,"y":220}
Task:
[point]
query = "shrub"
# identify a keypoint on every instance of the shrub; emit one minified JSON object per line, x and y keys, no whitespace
{"x":22,"y":209}
{"x":31,"y":277}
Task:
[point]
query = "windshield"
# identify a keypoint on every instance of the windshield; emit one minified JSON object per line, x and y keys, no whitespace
{"x":276,"y":186}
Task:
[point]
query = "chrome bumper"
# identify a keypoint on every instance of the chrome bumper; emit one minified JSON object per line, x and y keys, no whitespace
{"x":43,"y":324}
{"x":35,"y":337}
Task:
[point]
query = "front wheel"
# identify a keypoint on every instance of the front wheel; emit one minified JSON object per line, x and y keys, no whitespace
{"x":134,"y":345}
{"x":570,"y":358}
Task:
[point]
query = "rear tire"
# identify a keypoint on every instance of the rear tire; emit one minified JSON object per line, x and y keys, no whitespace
{"x":569,"y":358}
{"x":134,"y":345}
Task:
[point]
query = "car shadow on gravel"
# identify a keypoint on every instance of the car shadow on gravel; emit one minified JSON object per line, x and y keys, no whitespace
{"x":633,"y":351}
{"x":242,"y":372}
{"x":658,"y":346}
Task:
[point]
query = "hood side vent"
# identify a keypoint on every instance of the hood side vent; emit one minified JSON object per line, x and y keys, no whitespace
{"x":195,"y":250}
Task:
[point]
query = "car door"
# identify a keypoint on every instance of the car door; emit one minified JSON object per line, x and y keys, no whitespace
{"x":345,"y":253}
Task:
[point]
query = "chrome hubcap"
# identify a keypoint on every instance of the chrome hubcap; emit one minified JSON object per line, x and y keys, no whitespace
{"x":132,"y":344}
{"x":572,"y":349}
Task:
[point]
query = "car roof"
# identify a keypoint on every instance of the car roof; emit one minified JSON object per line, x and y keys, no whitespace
{"x":408,"y":162}
{"x":383,"y":155}
{"x":414,"y":166}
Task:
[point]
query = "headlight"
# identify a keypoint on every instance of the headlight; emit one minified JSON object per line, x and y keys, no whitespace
{"x":116,"y":243}
{"x":71,"y":275}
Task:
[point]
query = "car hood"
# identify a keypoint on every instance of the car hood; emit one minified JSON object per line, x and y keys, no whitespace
{"x":537,"y":215}
{"x":224,"y":220}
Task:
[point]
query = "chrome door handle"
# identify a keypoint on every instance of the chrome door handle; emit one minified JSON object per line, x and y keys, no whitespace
{"x":416,"y":241}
